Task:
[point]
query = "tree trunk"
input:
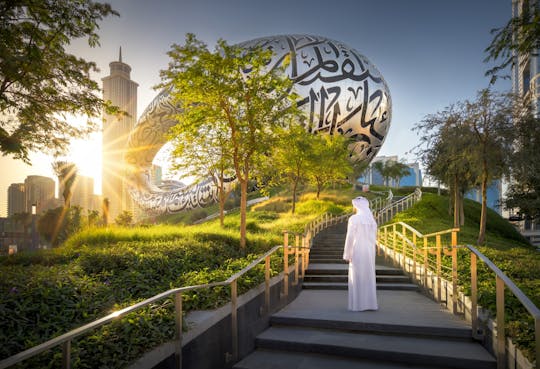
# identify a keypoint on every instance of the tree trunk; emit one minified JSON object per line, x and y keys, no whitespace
{"x":295,"y":185}
{"x":221,"y":203}
{"x":319,"y":188}
{"x":456,"y":203}
{"x":483,"y":216}
{"x":243,"y":212}
{"x":461,"y":210}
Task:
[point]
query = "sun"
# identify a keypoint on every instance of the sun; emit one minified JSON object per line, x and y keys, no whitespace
{"x":86,"y":154}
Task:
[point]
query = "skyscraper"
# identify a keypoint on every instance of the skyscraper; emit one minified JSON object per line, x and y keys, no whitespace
{"x":83,"y":193}
{"x":526,"y":83}
{"x":39,"y":190}
{"x":121,"y":91}
{"x":16,"y":200}
{"x":526,"y":69}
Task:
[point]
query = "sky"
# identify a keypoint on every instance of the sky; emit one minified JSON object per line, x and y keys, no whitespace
{"x":430,"y":53}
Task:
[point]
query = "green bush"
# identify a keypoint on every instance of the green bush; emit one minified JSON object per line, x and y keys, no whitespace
{"x":505,"y":246}
{"x":100,"y":270}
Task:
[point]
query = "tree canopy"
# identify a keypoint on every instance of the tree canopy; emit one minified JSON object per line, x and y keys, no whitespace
{"x":40,"y":82}
{"x":520,"y":35}
{"x":468,"y":144}
{"x":233,"y":91}
{"x":523,"y":191}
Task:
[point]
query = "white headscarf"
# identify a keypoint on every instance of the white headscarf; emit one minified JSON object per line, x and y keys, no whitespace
{"x":363,"y":212}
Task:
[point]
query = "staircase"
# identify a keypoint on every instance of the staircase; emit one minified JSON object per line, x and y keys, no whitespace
{"x":328,"y":270}
{"x":317,"y":331}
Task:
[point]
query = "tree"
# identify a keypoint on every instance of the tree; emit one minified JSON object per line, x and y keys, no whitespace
{"x":105,"y":210}
{"x":524,"y":189}
{"x":92,"y":218}
{"x":490,"y":119}
{"x":468,"y":143}
{"x":57,"y":225}
{"x":520,"y":36}
{"x":233,"y":90}
{"x":67,"y":175}
{"x":202,"y":153}
{"x":397,"y":170}
{"x":125,"y":218}
{"x":291,"y":157}
{"x":39,"y":81}
{"x":382,"y":168}
{"x":444,"y":149}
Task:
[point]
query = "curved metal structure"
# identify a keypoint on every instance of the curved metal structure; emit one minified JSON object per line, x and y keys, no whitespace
{"x":340,"y":90}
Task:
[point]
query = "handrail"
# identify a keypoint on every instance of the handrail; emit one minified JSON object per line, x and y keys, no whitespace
{"x":66,"y":338}
{"x":527,"y":303}
{"x":301,"y":254}
{"x":429,"y":275}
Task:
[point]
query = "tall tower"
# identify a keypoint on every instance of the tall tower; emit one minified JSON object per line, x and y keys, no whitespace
{"x":16,"y":199}
{"x":526,"y":69}
{"x":39,"y":190}
{"x":121,"y":91}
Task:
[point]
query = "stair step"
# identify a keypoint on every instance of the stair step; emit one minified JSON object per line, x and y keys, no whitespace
{"x":329,"y":261}
{"x":344,"y":278}
{"x":269,"y":359}
{"x":402,"y":349}
{"x":344,"y":286}
{"x":343,"y":269}
{"x":331,"y":322}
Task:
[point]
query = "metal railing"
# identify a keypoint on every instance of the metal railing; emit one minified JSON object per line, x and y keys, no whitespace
{"x":391,"y":208}
{"x":423,"y":257}
{"x":301,"y":257}
{"x":301,"y":249}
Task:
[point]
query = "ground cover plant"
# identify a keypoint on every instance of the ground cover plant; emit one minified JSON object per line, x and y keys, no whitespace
{"x":505,"y":246}
{"x":99,"y":270}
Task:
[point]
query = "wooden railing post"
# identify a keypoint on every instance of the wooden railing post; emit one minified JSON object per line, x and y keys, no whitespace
{"x":404,"y":247}
{"x":297,"y":244}
{"x":267,"y":284}
{"x":303,"y":243}
{"x":454,"y":273}
{"x":501,"y":339}
{"x":66,"y":355}
{"x":415,"y":249}
{"x":426,"y":263}
{"x":537,"y":337}
{"x":439,"y":265}
{"x":285,"y":264}
{"x":386,"y":243}
{"x":234,"y":319}
{"x":474,"y":296}
{"x":394,"y":244}
{"x":178,"y":330}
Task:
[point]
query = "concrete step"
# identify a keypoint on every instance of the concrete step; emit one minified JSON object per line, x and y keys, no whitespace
{"x":392,"y":348}
{"x":343,"y":269}
{"x":461,"y":333}
{"x":323,"y":278}
{"x":326,"y":251}
{"x":270,"y":359}
{"x":344,"y":286}
{"x":329,"y":261}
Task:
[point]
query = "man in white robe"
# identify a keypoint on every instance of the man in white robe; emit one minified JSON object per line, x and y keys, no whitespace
{"x":360,"y":253}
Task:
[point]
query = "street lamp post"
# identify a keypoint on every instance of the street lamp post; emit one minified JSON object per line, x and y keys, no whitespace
{"x":34,"y":232}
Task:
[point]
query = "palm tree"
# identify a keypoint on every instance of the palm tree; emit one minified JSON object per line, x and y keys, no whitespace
{"x":67,"y":174}
{"x":397,"y":170}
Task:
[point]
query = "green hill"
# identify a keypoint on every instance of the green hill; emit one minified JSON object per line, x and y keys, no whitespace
{"x":97,"y":271}
{"x":504,"y":246}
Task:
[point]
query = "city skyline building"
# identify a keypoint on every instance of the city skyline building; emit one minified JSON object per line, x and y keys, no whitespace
{"x":16,"y":199}
{"x":121,"y":91}
{"x":373,"y":177}
{"x":83,"y":193}
{"x":526,"y":68}
{"x":39,"y":190}
{"x":526,"y":83}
